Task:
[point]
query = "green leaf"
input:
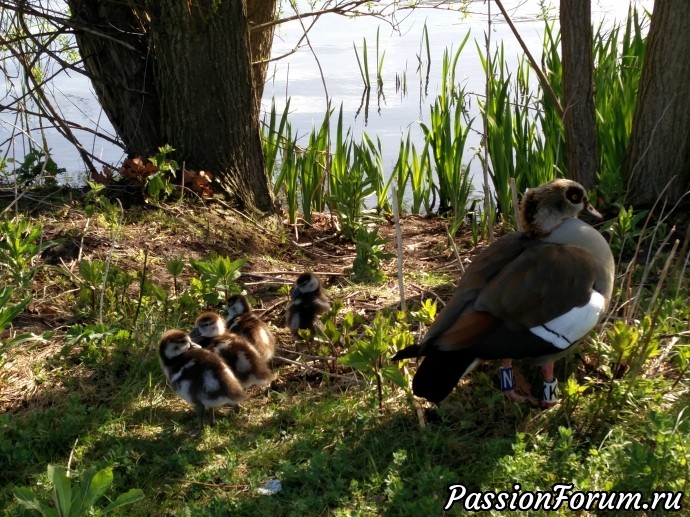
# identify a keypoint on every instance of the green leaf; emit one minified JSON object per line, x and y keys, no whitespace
{"x":129,"y":497}
{"x":393,"y":374}
{"x":9,"y":312}
{"x":357,"y":360}
{"x":28,"y":500}
{"x":93,"y":486}
{"x":62,"y":489}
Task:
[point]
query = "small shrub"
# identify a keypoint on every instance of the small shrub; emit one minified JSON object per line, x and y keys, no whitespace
{"x":78,"y":499}
{"x":366,"y":267}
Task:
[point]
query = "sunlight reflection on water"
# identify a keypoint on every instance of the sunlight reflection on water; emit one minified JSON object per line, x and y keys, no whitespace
{"x":299,"y":77}
{"x":332,"y":39}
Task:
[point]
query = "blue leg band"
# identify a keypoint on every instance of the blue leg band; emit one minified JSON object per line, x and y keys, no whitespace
{"x":550,"y":392}
{"x":507,"y":379}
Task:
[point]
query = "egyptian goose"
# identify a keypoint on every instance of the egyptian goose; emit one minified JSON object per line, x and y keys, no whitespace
{"x":530,"y":294}
{"x":198,"y":376}
{"x":240,"y":319}
{"x":307,"y":301}
{"x":235,"y":350}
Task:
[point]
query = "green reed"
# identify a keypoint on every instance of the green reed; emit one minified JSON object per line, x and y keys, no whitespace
{"x":380,"y":56}
{"x":356,"y":172}
{"x":446,"y":135}
{"x":499,"y":130}
{"x":618,"y":60}
{"x":363,"y":63}
{"x":288,"y":175}
{"x":415,"y":170}
{"x":312,"y":164}
{"x":525,"y":134}
{"x":273,"y":136}
{"x":280,"y":155}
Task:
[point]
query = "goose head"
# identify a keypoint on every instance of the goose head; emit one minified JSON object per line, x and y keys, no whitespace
{"x":547,"y":206}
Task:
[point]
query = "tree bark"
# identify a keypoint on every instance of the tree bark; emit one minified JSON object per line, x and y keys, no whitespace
{"x":179,"y":72}
{"x":582,"y":152}
{"x":116,"y":51}
{"x":204,"y":80}
{"x":659,"y":149}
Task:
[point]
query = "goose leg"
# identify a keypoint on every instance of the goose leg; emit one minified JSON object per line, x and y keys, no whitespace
{"x":200,"y":410}
{"x":508,"y":384}
{"x":549,"y":398}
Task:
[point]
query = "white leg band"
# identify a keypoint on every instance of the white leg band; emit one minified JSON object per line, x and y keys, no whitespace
{"x":549,"y":393}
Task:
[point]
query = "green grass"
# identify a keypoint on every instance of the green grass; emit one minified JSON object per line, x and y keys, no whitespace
{"x":99,"y":400}
{"x":92,"y":395}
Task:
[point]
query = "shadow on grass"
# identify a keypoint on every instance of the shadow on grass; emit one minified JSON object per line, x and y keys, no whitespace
{"x":326,"y":443}
{"x":329,"y":448}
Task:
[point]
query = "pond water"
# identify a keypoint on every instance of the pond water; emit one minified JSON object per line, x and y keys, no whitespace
{"x":328,"y":68}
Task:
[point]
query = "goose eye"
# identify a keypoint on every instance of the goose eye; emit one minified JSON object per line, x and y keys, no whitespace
{"x":574,"y":195}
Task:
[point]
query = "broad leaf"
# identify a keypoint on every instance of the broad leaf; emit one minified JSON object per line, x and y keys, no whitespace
{"x":129,"y":497}
{"x":62,"y":489}
{"x":28,"y":500}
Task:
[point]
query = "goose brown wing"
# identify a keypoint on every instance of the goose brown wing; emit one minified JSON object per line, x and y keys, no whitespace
{"x":458,"y":322}
{"x":545,"y":281}
{"x":517,"y":281}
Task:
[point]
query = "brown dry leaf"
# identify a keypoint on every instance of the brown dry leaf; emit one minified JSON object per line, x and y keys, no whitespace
{"x":136,"y":170}
{"x":104,"y":177}
{"x":198,"y":181}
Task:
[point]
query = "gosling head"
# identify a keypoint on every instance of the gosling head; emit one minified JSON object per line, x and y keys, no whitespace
{"x":208,"y":325}
{"x":237,"y":304}
{"x":306,"y":283}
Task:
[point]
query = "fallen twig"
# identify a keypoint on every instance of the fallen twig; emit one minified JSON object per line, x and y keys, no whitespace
{"x":317,"y":370}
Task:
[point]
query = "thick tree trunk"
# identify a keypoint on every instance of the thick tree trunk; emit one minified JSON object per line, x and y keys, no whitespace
{"x":204,"y":79}
{"x":116,"y":53}
{"x":178,"y":72}
{"x":659,"y":149}
{"x":579,"y":119}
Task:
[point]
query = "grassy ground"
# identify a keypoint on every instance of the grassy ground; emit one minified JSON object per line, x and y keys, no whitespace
{"x":90,"y":395}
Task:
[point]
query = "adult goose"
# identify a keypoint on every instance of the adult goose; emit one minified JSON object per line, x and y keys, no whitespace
{"x":530,"y":294}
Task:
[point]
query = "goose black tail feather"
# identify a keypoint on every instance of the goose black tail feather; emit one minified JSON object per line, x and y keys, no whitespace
{"x":410,"y":352}
{"x":439,"y":374}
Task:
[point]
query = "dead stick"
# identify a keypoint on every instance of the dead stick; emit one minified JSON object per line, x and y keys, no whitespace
{"x":316,"y":357}
{"x":398,"y":238}
{"x":311,"y":368}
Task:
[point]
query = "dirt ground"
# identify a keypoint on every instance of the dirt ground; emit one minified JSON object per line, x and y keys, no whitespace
{"x":275,"y":256}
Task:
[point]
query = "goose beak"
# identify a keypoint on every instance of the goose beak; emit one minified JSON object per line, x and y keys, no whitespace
{"x":593,"y":211}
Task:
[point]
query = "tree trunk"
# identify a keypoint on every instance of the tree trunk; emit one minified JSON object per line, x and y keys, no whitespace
{"x":582,"y":152}
{"x":204,"y":80}
{"x":178,"y":72}
{"x":659,"y":149}
{"x":116,"y":53}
